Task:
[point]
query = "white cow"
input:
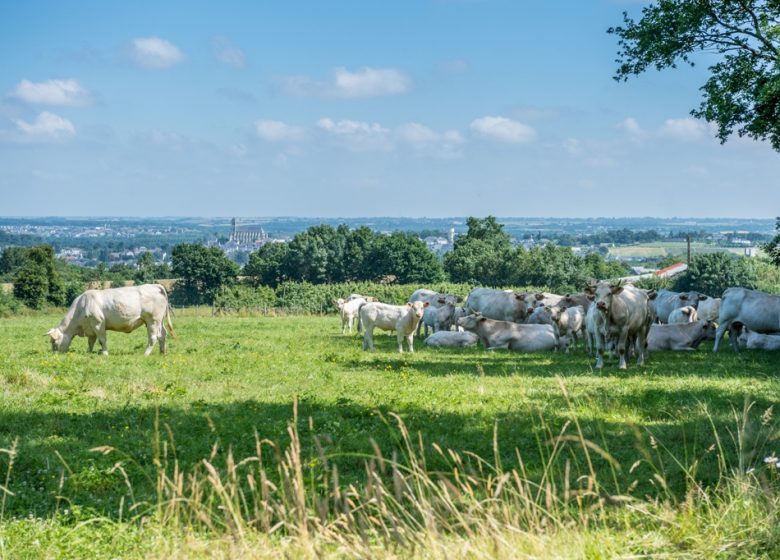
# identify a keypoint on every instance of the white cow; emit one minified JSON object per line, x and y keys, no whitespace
{"x":681,"y":336}
{"x":348,"y":309}
{"x":452,"y":339}
{"x":117,"y":309}
{"x":709,"y":309}
{"x":438,"y":318}
{"x":758,"y":311}
{"x":508,"y":334}
{"x":685,"y":314}
{"x":571,"y":321}
{"x":501,"y":305}
{"x":403,"y":319}
{"x":542,"y":298}
{"x":757,"y":341}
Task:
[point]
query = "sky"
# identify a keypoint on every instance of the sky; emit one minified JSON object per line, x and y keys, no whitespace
{"x":354,"y":108}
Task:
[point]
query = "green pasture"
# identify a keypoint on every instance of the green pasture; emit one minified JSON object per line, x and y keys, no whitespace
{"x":228,"y":381}
{"x":662,"y":249}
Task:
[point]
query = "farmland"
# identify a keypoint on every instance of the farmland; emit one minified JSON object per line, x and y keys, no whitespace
{"x":229,"y":382}
{"x":662,"y":249}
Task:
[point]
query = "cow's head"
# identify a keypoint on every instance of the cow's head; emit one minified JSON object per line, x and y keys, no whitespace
{"x":417,"y":307}
{"x":470,"y":322}
{"x":59,"y":340}
{"x":604,"y":293}
{"x":339,"y":303}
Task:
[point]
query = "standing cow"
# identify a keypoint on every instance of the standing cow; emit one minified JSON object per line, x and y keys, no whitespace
{"x":348,"y":309}
{"x":758,"y":311}
{"x":403,"y":319}
{"x":500,"y":305}
{"x":624,"y":316}
{"x":433,"y":299}
{"x":667,"y":301}
{"x":117,"y":309}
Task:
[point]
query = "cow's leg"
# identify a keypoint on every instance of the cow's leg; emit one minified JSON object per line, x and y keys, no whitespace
{"x":343,"y":325}
{"x":719,"y":334}
{"x":368,"y":339}
{"x":622,"y":348}
{"x":601,"y":343}
{"x":410,"y":342}
{"x":151,"y":335}
{"x":101,"y":336}
{"x":91,"y":342}
{"x":400,"y":338}
{"x":161,"y":339}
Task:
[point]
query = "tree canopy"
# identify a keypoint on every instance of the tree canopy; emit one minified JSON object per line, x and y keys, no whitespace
{"x":742,"y":93}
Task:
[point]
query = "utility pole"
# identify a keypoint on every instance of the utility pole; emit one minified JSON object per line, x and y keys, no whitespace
{"x":688,"y":239}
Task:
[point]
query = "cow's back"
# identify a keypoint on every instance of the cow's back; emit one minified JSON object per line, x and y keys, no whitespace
{"x":758,"y":311}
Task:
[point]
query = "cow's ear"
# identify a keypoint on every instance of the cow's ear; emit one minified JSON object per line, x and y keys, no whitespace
{"x":591,"y":297}
{"x":684,"y":297}
{"x":616,"y":290}
{"x":686,"y":311}
{"x":702,"y":298}
{"x":589,"y":290}
{"x":408,"y":304}
{"x":482,"y":319}
{"x":652,"y":294}
{"x":441,"y":301}
{"x":426,"y":304}
{"x":519,"y":296}
{"x":539,"y":296}
{"x":562,"y":308}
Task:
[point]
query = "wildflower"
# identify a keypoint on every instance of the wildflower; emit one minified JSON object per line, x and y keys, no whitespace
{"x":771,"y":460}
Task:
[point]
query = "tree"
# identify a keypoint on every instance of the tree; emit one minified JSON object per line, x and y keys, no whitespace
{"x":773,"y":247}
{"x":742,"y":93}
{"x":482,"y":255}
{"x":201,"y":271}
{"x":38,"y":282}
{"x":12,"y":259}
{"x":405,"y":257}
{"x":265,"y":265}
{"x":712,"y":273}
{"x":145,"y":269}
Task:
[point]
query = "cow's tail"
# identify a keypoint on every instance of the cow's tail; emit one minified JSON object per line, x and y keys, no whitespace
{"x":360,"y":322}
{"x":168,"y":312}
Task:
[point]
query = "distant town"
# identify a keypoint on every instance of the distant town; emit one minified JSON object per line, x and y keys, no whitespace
{"x":88,"y":242}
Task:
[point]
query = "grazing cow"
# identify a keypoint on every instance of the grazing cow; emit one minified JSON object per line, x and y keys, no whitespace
{"x":403,"y":319}
{"x":348,"y":309}
{"x":758,"y":341}
{"x":709,"y":309}
{"x":452,"y":339}
{"x":500,"y":305}
{"x":507,"y":334}
{"x":438,"y":318}
{"x":117,"y":309}
{"x":685,"y":314}
{"x":625,"y":314}
{"x":758,"y":311}
{"x":681,"y":336}
{"x":667,"y":301}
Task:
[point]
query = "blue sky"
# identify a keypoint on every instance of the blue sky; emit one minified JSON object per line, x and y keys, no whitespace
{"x":360,"y":108}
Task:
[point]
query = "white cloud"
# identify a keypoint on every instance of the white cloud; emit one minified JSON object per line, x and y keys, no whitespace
{"x":278,"y":131}
{"x":630,"y":126}
{"x":446,"y":145}
{"x":358,"y":136}
{"x":227,"y":53}
{"x":572,"y":146}
{"x":153,"y":52}
{"x":65,"y":93}
{"x":46,"y":127}
{"x":686,"y":129}
{"x":366,"y":82}
{"x":503,"y":129}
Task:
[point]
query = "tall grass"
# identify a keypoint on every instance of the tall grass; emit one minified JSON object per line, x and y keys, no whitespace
{"x":289,"y":500}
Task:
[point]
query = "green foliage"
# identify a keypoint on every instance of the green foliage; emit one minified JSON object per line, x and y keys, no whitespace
{"x":9,"y":305}
{"x":742,"y":93}
{"x":241,"y":297}
{"x":145,"y":269}
{"x":265,"y":266}
{"x":37,"y":282}
{"x":767,"y":276}
{"x":482,"y":255}
{"x":201,"y":271}
{"x":712,"y":273}
{"x":403,"y":258}
{"x":773,"y":247}
{"x":11,"y":260}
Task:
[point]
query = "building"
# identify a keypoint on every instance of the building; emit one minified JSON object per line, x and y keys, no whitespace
{"x":246,"y":236}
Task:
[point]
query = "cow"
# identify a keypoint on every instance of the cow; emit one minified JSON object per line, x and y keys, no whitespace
{"x":348,"y":309}
{"x":709,"y":309}
{"x":571,"y":321}
{"x":457,"y":314}
{"x":624,"y":309}
{"x":595,"y":326}
{"x":535,"y":299}
{"x":438,"y":318}
{"x":545,"y":315}
{"x":667,"y":301}
{"x":758,"y":311}
{"x":681,"y":336}
{"x":116,"y":309}
{"x":403,"y":319}
{"x":685,"y":314}
{"x":758,"y":341}
{"x":508,"y":334}
{"x":433,"y":299}
{"x":500,"y":305}
{"x":450,"y":339}
{"x":572,"y":300}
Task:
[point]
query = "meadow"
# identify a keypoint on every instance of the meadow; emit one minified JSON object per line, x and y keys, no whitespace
{"x":668,"y":248}
{"x":273,"y":436}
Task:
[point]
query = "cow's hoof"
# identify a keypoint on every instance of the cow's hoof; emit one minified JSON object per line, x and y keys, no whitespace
{"x":104,"y":352}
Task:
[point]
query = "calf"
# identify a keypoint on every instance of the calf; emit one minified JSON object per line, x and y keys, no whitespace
{"x":685,"y":314}
{"x":506,"y":334}
{"x":403,"y":319}
{"x":758,"y":341}
{"x":450,"y":339}
{"x":545,"y":315}
{"x":667,"y":301}
{"x":681,"y":336}
{"x":571,"y":321}
{"x":348,"y":309}
{"x":438,"y":318}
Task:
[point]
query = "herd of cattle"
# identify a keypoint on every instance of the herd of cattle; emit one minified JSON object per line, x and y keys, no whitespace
{"x":609,"y":317}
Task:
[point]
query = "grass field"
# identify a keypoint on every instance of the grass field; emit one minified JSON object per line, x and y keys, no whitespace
{"x":666,"y":248}
{"x":657,"y":435}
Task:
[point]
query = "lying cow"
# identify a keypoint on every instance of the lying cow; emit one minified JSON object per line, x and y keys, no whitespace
{"x":117,"y":309}
{"x":507,"y":334}
{"x":348,"y":309}
{"x":758,"y":311}
{"x":685,"y":314}
{"x":452,"y":339}
{"x":403,"y":319}
{"x":758,"y":341}
{"x":682,"y":336}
